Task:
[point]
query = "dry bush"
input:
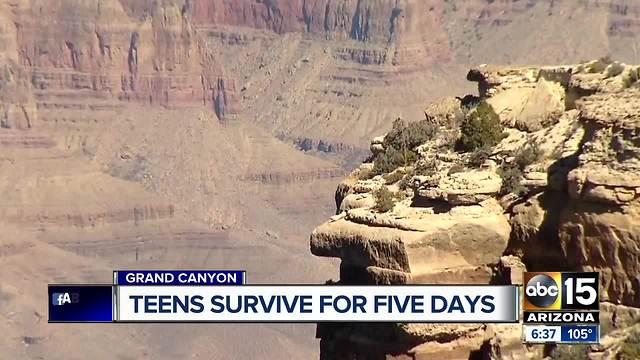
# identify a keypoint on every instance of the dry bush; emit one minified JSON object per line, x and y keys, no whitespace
{"x":400,"y":144}
{"x":511,"y":180}
{"x":630,"y":348}
{"x":393,"y":177}
{"x":528,"y":155}
{"x":478,"y":156}
{"x":384,"y":200}
{"x":365,"y":174}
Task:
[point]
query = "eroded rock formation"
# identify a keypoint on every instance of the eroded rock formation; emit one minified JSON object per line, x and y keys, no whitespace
{"x":559,"y":191}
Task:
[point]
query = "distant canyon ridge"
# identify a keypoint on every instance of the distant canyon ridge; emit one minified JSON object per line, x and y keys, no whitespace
{"x":323,"y":71}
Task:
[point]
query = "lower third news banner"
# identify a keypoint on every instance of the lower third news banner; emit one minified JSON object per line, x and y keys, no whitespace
{"x":207,"y":296}
{"x":322,"y":303}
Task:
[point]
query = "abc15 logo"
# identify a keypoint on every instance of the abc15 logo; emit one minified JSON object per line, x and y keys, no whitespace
{"x":561,"y":291}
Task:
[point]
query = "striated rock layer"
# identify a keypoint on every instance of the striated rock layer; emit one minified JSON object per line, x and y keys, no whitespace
{"x":327,"y":71}
{"x":85,"y":49}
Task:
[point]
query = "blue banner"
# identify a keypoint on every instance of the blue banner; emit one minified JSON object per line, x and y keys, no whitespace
{"x":80,"y":303}
{"x":580,"y":334}
{"x":179,"y":277}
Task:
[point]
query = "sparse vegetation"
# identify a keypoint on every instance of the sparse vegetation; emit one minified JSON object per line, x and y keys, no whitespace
{"x":456,"y":168}
{"x":408,"y":136}
{"x":628,"y":79}
{"x":131,"y":168}
{"x":512,"y":173}
{"x":511,"y":180}
{"x":365,"y":174}
{"x":599,"y":65}
{"x":393,"y":177}
{"x":571,"y":352}
{"x":480,"y":128}
{"x":478,"y":156}
{"x":614,"y":69}
{"x":630,"y":347}
{"x":405,"y":182}
{"x":384,"y":200}
{"x":391,"y":159}
{"x":528,"y":155}
{"x":449,"y":137}
{"x":426,"y":167}
{"x":400,"y":144}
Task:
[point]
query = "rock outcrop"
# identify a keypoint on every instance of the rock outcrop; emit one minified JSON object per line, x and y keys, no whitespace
{"x":559,"y":191}
{"x":18,"y":109}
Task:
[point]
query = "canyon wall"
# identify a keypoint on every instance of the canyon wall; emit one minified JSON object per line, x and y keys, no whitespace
{"x":77,"y":53}
{"x":292,"y":66}
{"x":542,"y":31}
{"x":155,"y":53}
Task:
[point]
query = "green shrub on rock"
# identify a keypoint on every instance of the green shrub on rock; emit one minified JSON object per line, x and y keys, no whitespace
{"x":391,"y":159}
{"x":480,"y":128}
{"x":598,"y":66}
{"x":384,"y":200}
{"x":512,"y":173}
{"x":400,"y":144}
{"x":409,"y":136}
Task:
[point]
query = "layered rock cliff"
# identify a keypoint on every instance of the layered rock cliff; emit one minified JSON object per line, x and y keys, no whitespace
{"x":557,"y":190}
{"x":161,"y":53}
{"x":79,"y":51}
{"x":328,"y":71}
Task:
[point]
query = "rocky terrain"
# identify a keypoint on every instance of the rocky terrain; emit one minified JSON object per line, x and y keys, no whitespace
{"x":195,"y":133}
{"x":556,"y":189}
